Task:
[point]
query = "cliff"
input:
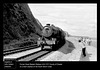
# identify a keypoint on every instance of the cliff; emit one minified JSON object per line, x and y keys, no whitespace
{"x":19,"y":23}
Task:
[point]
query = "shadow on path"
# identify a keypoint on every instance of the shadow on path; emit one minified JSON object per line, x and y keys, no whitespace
{"x":68,"y":47}
{"x":82,"y":58}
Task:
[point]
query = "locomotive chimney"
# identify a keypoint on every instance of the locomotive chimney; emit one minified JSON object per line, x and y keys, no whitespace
{"x":48,"y":24}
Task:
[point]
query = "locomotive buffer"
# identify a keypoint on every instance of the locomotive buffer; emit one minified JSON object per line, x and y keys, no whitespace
{"x":46,"y":43}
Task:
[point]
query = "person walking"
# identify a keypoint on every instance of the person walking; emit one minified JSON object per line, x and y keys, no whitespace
{"x":82,"y":42}
{"x":90,"y":42}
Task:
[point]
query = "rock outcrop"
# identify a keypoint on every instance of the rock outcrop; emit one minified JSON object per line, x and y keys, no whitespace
{"x":19,"y":23}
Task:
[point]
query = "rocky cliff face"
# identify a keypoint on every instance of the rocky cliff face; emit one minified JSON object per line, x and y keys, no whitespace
{"x":19,"y":23}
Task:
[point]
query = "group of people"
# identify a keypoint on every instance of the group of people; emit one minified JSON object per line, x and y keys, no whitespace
{"x":84,"y":42}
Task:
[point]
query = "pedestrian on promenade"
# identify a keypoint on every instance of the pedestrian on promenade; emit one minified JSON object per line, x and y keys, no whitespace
{"x":90,"y":42}
{"x":82,"y":42}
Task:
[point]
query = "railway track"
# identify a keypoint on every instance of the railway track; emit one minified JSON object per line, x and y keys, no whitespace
{"x":19,"y":50}
{"x":28,"y":55}
{"x":34,"y":56}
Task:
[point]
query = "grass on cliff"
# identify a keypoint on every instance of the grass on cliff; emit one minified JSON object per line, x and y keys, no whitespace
{"x":25,"y":42}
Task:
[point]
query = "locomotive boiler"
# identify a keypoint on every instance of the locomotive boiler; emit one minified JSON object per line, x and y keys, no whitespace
{"x":52,"y":36}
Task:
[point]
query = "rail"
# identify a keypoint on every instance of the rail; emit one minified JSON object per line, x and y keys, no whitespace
{"x":19,"y":49}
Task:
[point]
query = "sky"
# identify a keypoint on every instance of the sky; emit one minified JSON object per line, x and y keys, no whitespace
{"x":76,"y":19}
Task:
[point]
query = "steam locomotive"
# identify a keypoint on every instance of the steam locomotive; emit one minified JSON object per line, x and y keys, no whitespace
{"x":52,"y":36}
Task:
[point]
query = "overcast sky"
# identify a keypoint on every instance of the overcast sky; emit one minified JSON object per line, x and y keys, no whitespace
{"x":76,"y":19}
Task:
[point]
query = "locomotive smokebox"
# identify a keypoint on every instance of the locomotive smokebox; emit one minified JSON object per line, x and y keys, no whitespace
{"x":47,"y":31}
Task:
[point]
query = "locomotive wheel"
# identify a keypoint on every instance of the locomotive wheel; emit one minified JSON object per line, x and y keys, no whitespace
{"x":53,"y":47}
{"x":42,"y":46}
